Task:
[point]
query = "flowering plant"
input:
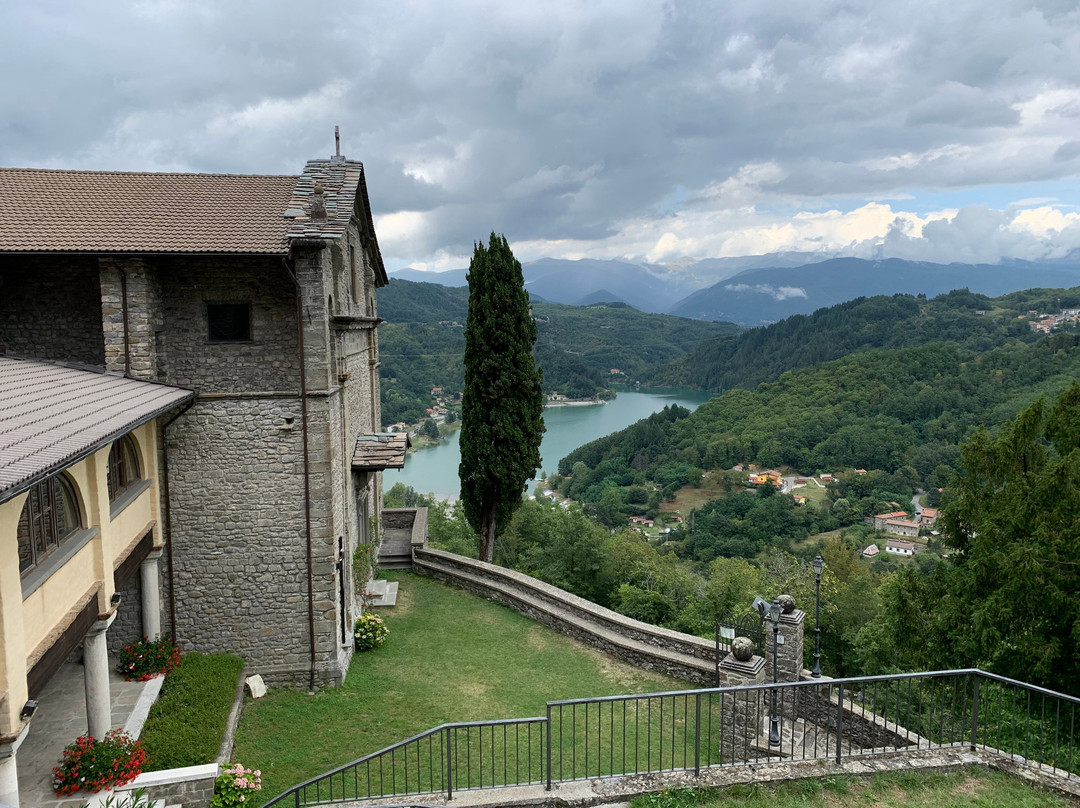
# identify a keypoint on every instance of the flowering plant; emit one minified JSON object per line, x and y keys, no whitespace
{"x":93,"y":765}
{"x":147,"y":658}
{"x":233,"y":785}
{"x":369,"y":632}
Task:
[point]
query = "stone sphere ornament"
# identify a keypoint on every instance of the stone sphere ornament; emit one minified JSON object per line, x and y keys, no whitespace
{"x":742,"y":648}
{"x":787,"y":603}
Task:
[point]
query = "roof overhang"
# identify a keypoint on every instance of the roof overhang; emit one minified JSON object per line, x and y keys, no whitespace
{"x":54,"y":415}
{"x":380,"y":451}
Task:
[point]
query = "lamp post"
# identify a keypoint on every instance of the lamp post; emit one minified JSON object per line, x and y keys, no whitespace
{"x":773,"y":616}
{"x":819,"y":567}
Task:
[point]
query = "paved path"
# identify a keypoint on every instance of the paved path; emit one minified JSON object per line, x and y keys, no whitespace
{"x":59,"y":720}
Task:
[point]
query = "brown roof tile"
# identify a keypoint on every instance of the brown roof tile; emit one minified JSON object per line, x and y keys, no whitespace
{"x":53,"y":415}
{"x":45,"y":210}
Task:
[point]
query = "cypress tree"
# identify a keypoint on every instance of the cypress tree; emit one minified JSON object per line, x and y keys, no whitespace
{"x":502,"y":406}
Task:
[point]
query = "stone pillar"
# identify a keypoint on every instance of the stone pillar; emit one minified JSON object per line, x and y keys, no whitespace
{"x":789,"y":651}
{"x":790,"y":654}
{"x":151,"y":595}
{"x":96,"y":676}
{"x":128,"y":303}
{"x":9,"y":775}
{"x":741,"y":711}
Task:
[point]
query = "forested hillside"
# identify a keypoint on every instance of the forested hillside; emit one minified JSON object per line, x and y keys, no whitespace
{"x":887,"y":409}
{"x":762,"y":354}
{"x":423,"y":340}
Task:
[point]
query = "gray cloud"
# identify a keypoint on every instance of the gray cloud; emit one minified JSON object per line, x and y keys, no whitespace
{"x":556,"y":121}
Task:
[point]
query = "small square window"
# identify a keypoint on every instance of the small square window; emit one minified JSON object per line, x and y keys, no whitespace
{"x":229,"y":322}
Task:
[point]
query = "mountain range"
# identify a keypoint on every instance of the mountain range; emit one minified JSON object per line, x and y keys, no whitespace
{"x":757,"y":290}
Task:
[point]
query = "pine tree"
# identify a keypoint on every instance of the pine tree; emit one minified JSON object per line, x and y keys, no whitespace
{"x":502,"y":406}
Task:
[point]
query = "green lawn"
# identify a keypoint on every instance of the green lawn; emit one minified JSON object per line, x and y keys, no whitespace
{"x":451,"y":656}
{"x":965,"y":788}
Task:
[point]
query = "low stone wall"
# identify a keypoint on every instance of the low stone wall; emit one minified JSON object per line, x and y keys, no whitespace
{"x":820,"y":705}
{"x":650,"y":647}
{"x":192,"y":786}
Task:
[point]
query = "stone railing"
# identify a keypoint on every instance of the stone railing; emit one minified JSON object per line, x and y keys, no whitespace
{"x":684,"y":656}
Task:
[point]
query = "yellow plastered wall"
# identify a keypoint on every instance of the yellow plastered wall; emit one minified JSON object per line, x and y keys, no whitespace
{"x":12,"y":658}
{"x":26,"y":624}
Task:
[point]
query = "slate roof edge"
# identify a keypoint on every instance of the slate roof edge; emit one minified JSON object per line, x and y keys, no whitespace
{"x":136,"y":253}
{"x":76,"y":457}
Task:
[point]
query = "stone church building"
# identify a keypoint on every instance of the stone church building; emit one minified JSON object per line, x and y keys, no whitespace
{"x":254,"y":299}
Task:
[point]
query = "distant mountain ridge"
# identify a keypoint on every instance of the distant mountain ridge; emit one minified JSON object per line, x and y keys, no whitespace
{"x":758,"y":290}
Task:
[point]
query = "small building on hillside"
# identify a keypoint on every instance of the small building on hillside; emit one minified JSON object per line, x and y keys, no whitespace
{"x":928,"y":517}
{"x":870,"y":551}
{"x":900,"y":547}
{"x":902,"y":527}
{"x":881,"y":518}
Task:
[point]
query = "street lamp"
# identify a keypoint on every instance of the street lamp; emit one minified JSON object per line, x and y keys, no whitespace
{"x":819,"y":567}
{"x":772,"y":614}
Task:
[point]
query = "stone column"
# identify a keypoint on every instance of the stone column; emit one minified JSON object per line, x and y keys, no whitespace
{"x":741,"y":711}
{"x":151,"y":595}
{"x":9,"y":774}
{"x":790,"y":654}
{"x":789,"y":651}
{"x":96,"y":676}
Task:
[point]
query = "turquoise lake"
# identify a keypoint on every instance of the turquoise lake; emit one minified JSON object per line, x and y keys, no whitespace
{"x":434,"y":470}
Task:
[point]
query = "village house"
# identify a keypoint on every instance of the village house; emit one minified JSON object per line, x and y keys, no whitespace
{"x":870,"y":551}
{"x":881,"y":519}
{"x":900,"y":547}
{"x":902,"y":527}
{"x":228,"y":446}
{"x":928,"y":517}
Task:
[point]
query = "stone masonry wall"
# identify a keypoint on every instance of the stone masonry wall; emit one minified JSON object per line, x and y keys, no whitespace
{"x":269,"y":362}
{"x":237,"y":492}
{"x":50,"y":308}
{"x":127,"y":627}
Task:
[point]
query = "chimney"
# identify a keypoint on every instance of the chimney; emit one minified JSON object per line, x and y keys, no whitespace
{"x":318,"y":203}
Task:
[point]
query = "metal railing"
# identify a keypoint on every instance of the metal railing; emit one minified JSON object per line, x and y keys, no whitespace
{"x":830,"y":719}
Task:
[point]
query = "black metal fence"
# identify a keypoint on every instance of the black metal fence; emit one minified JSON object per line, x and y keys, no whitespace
{"x":830,"y":719}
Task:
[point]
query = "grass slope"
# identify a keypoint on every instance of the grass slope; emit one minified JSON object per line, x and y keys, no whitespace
{"x":451,"y":656}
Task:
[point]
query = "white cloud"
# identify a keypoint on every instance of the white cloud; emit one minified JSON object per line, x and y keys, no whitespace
{"x":620,"y":128}
{"x":775,"y":292}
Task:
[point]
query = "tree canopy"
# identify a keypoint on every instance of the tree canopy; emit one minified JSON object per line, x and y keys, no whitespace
{"x":502,"y":406}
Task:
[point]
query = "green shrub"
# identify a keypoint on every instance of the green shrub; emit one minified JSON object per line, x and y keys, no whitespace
{"x":369,"y":632}
{"x":187,"y":723}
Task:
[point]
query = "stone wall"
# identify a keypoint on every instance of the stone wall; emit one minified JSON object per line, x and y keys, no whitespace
{"x":128,"y":626}
{"x":237,"y":503}
{"x":50,"y":308}
{"x":821,"y":705}
{"x":191,"y":787}
{"x":269,"y":362}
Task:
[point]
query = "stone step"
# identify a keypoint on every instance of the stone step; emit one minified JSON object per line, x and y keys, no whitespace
{"x":388,"y":596}
{"x":614,"y":642}
{"x":377,"y":587}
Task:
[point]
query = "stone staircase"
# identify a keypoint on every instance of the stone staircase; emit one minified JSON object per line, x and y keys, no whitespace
{"x":403,"y":529}
{"x":650,"y":647}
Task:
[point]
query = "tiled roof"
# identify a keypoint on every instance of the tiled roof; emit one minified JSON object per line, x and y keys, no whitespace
{"x":45,"y":210}
{"x":382,"y":450}
{"x":51,"y":416}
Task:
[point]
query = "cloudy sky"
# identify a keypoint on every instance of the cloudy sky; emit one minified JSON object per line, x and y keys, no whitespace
{"x":595,"y":128}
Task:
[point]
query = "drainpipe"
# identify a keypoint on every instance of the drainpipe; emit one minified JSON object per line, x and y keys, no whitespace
{"x":285,"y":262}
{"x":168,"y":515}
{"x":124,"y":309}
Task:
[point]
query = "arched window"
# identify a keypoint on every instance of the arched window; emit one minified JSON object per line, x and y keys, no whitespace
{"x":50,"y":515}
{"x":123,"y":467}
